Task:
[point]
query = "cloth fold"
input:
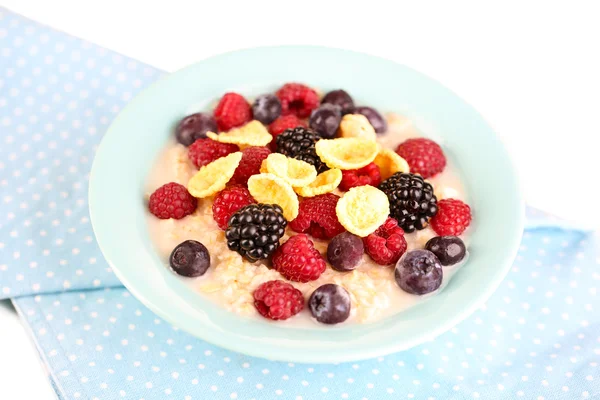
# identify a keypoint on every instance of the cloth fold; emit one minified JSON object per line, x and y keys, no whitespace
{"x":58,"y":94}
{"x":536,"y":337}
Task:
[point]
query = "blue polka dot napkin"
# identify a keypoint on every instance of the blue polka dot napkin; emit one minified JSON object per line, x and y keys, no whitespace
{"x":58,"y":95}
{"x":536,"y":338}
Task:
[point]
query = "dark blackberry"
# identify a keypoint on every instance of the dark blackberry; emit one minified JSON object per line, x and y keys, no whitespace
{"x":254,"y":230}
{"x":412,"y":202}
{"x":299,"y":143}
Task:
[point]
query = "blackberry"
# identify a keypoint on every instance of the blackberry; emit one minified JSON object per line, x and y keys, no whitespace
{"x":254,"y":230}
{"x":299,"y":143}
{"x":412,"y":202}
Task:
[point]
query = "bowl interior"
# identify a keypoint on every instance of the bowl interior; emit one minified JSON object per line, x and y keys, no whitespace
{"x":142,"y":129}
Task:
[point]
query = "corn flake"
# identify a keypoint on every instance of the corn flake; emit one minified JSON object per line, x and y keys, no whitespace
{"x":347,"y":153}
{"x":326,"y":182}
{"x":213,"y":177}
{"x":252,"y":134}
{"x":297,"y":173}
{"x":389,"y":162}
{"x":362,"y":210}
{"x":357,"y":125}
{"x":271,"y":189}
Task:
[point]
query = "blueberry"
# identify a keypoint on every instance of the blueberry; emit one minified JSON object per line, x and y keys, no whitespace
{"x":330,"y":304}
{"x":190,"y":258}
{"x":325,"y":120}
{"x":266,"y":108}
{"x":194,"y":127}
{"x":340,"y":98}
{"x":448,"y":249}
{"x":418,"y":272}
{"x":375,"y":119}
{"x":345,"y":251}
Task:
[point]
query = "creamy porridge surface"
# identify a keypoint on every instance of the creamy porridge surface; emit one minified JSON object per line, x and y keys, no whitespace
{"x":230,"y":280}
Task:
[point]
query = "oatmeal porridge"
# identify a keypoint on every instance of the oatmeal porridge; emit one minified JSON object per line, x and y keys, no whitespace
{"x":380,"y":279}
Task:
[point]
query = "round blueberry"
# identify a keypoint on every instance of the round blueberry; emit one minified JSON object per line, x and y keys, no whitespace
{"x":345,"y":251}
{"x":375,"y":119}
{"x":448,"y":249}
{"x":266,"y":108}
{"x":340,"y":98}
{"x":190,"y":258}
{"x":418,"y":272}
{"x":330,"y":304}
{"x":194,"y":127}
{"x":325,"y":120}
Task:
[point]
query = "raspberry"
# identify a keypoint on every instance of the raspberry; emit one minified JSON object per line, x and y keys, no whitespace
{"x":204,"y":151}
{"x":424,"y":157}
{"x":278,"y":300}
{"x":297,"y":99}
{"x":387,"y":244}
{"x":252,"y":158}
{"x":228,"y":201}
{"x":452,"y":218}
{"x":172,"y":201}
{"x":233,"y":110}
{"x":317,"y":217}
{"x":281,"y":124}
{"x":298,"y":260}
{"x":368,"y":175}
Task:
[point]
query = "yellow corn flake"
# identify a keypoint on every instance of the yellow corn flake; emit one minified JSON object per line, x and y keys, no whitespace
{"x":326,"y":182}
{"x":295,"y":172}
{"x":213,"y":177}
{"x":252,"y":134}
{"x":389,"y":162}
{"x":347,"y":153}
{"x":357,"y":125}
{"x":263,"y":167}
{"x":362,"y":210}
{"x":271,"y":189}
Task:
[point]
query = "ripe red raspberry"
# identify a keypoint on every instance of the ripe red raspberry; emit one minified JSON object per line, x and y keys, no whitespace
{"x":228,"y":201}
{"x":205,"y":151}
{"x":252,"y":158}
{"x":297,"y":99}
{"x":317,"y":217}
{"x":298,"y":260}
{"x":367,"y":175}
{"x":233,"y":110}
{"x":387,"y":244}
{"x":452,"y":218}
{"x":281,"y":124}
{"x":424,"y":156}
{"x":278,"y":300}
{"x":172,"y":201}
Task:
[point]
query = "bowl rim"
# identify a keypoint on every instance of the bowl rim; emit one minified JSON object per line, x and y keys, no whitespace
{"x":250,"y":347}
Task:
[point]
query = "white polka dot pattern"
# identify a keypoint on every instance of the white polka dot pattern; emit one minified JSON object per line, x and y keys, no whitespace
{"x":57,"y":96}
{"x":537,"y":337}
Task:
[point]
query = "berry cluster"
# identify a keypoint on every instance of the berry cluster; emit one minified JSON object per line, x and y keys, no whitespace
{"x":291,"y":143}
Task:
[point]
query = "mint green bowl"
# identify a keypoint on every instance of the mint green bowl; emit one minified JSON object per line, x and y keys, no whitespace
{"x":142,"y":129}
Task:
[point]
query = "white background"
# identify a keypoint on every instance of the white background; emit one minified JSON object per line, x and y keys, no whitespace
{"x":531,"y":68}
